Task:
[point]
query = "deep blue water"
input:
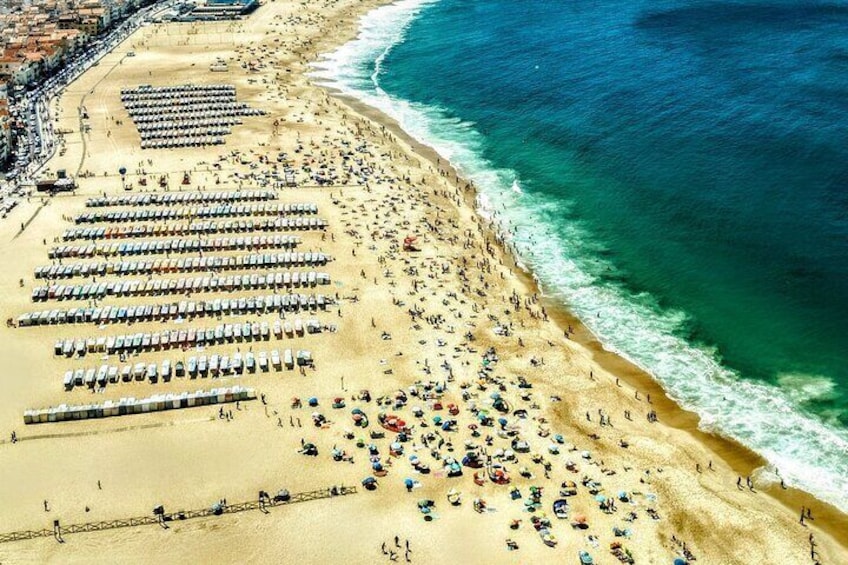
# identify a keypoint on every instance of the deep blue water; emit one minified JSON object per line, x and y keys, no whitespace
{"x":676,"y":171}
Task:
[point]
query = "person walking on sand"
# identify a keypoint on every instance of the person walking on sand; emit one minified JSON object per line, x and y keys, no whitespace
{"x":47,"y":509}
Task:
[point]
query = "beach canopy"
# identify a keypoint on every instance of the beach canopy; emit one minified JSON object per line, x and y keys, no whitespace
{"x":679,"y":561}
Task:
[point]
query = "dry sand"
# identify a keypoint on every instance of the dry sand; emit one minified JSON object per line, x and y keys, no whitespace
{"x":460,"y":281}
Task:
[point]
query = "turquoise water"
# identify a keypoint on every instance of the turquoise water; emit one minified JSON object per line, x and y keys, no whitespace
{"x":676,"y":172}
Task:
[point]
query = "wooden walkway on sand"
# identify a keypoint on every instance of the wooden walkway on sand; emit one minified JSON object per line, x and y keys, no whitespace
{"x":59,"y":531}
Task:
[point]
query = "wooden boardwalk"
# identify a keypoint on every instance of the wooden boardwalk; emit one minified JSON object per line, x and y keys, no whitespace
{"x":59,"y":531}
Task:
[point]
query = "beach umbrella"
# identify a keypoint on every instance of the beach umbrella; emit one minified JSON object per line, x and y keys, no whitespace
{"x":679,"y":561}
{"x":600,"y":498}
{"x":409,"y":483}
{"x":377,"y":466}
{"x":437,"y":419}
{"x":503,"y":422}
{"x":313,"y":401}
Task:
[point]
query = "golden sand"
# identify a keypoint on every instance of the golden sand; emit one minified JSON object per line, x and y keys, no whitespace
{"x":461,"y":283}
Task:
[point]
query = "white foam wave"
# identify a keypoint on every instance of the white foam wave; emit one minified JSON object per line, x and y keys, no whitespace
{"x":806,"y":451}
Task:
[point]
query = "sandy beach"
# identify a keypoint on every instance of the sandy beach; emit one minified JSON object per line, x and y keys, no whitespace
{"x":453,"y":344}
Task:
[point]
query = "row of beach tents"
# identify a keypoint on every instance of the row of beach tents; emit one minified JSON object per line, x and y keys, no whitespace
{"x":101,"y":315}
{"x":180,"y":265}
{"x":188,"y":337}
{"x":193,"y":228}
{"x":149,"y":91}
{"x":171,"y":133}
{"x":175,"y":246}
{"x":187,"y":125}
{"x":169,"y":198}
{"x":151,"y":114}
{"x":202,"y":141}
{"x":216,"y":366}
{"x":161,"y":287}
{"x":126,"y":406}
{"x":219,"y":211}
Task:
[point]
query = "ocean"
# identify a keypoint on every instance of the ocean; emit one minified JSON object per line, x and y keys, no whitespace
{"x":674,"y":171}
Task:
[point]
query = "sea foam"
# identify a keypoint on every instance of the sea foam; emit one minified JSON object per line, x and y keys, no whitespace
{"x":771,"y":420}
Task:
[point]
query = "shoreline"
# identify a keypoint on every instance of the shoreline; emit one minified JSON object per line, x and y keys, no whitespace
{"x":743,"y":459}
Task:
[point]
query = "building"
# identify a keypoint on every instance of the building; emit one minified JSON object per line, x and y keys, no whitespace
{"x":5,"y":125}
{"x":224,"y":9}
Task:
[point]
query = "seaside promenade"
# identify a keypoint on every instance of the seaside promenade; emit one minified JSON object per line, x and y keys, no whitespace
{"x":477,"y":425}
